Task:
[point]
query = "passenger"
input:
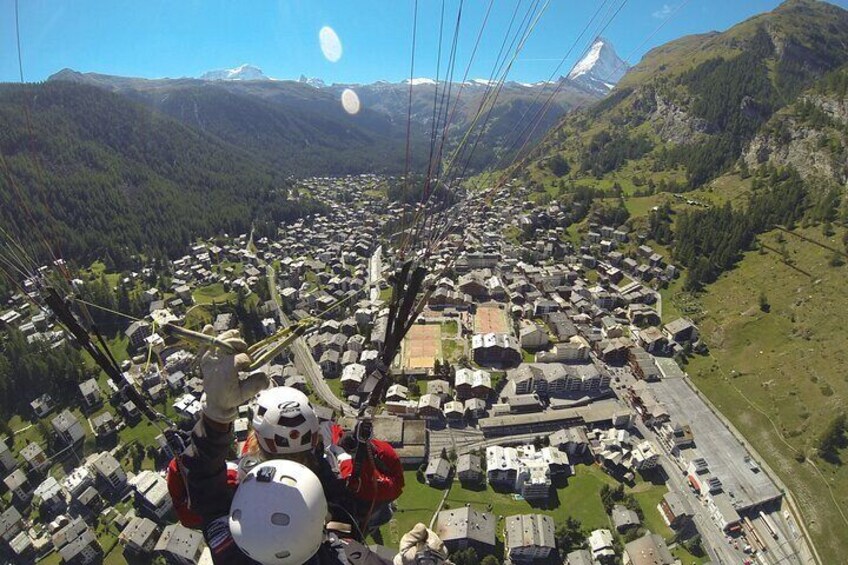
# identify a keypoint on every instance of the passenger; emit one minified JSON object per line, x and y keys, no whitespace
{"x":278,"y":477}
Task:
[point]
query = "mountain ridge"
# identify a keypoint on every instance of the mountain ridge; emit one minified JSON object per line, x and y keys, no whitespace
{"x":700,"y":100}
{"x":301,"y":126}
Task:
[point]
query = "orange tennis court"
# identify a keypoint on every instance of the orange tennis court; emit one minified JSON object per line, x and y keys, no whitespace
{"x":490,"y":319}
{"x":422,"y":347}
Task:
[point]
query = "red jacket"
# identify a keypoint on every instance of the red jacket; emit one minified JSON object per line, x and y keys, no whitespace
{"x":179,"y":495}
{"x":382,"y":482}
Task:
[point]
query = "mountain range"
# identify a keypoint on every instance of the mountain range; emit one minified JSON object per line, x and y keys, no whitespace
{"x":302,"y":128}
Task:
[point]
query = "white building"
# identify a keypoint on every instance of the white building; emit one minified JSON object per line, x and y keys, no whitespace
{"x":151,"y":492}
{"x":534,"y":479}
{"x":601,"y":545}
{"x":107,"y":469}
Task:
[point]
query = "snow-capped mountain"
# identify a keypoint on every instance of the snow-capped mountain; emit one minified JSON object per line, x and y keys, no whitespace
{"x":419,"y":81}
{"x":316,"y":82}
{"x":244,"y":72}
{"x":600,"y":69}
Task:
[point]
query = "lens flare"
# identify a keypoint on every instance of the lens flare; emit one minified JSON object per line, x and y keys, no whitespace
{"x":331,"y":45}
{"x":350,"y":101}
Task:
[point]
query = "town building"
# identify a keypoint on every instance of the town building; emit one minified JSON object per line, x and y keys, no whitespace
{"x":529,"y":537}
{"x":34,"y":456}
{"x":19,"y":485}
{"x":624,"y":519}
{"x":7,"y":458}
{"x":77,"y":544}
{"x":675,"y":510}
{"x":68,"y":428}
{"x":469,"y":470}
{"x":649,"y":549}
{"x":466,"y":527}
{"x":108,"y":471}
{"x":602,"y":546}
{"x":90,"y":392}
{"x":179,"y":545}
{"x":151,"y":494}
{"x":438,"y":472}
{"x":495,"y":350}
{"x":139,"y":537}
{"x":11,"y":524}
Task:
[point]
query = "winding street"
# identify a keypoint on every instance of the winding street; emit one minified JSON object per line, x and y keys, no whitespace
{"x":303,"y":358}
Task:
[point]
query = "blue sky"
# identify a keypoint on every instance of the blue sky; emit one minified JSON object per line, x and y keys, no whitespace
{"x":177,"y":38}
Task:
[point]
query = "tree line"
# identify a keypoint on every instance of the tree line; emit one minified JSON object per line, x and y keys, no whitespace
{"x":709,"y":242}
{"x":28,"y":370}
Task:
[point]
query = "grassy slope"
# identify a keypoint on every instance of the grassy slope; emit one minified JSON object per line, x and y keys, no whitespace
{"x":780,"y":376}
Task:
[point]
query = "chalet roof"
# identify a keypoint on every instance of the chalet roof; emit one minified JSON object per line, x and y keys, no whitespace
{"x":467,"y":523}
{"x":530,"y":530}
{"x":650,"y":549}
{"x":469,"y":462}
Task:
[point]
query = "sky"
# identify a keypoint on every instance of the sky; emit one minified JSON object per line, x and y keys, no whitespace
{"x":185,"y":38}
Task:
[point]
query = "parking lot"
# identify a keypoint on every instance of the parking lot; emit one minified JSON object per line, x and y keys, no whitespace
{"x":741,"y":477}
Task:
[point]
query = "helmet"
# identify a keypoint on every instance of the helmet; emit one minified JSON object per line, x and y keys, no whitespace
{"x":284,"y":421}
{"x":278,"y":512}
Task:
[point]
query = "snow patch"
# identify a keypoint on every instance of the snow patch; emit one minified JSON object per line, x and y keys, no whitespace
{"x":242,"y":72}
{"x":419,"y":81}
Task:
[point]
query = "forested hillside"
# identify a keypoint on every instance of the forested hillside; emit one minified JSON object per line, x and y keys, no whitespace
{"x":106,"y":178}
{"x":300,"y":133}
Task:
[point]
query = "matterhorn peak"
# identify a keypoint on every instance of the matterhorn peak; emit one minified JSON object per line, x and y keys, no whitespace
{"x":600,"y":69}
{"x":243,"y":72}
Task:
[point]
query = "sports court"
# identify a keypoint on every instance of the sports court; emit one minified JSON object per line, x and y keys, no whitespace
{"x":490,"y":319}
{"x":422,"y":347}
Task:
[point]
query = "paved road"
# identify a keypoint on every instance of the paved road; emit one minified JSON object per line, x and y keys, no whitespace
{"x":303,"y":358}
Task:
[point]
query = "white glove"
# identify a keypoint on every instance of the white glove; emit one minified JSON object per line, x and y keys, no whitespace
{"x":419,"y":539}
{"x":224,"y":391}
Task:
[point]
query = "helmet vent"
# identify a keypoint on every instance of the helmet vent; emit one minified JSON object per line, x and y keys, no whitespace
{"x":282,"y":555}
{"x":261,"y":411}
{"x":307,"y":438}
{"x":291,"y":422}
{"x":236,"y":515}
{"x":280,"y":519}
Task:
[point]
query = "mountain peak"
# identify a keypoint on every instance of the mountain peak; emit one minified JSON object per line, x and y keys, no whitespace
{"x":242,"y":72}
{"x":311,"y":81}
{"x":600,"y":68}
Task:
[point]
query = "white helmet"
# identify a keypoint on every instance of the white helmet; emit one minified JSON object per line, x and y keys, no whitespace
{"x":284,"y":421}
{"x":278,"y":513}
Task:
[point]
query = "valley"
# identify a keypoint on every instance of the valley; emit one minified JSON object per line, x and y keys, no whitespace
{"x":628,"y":338}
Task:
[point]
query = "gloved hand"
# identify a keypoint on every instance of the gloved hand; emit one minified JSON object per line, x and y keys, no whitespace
{"x":224,"y":391}
{"x":417,"y":540}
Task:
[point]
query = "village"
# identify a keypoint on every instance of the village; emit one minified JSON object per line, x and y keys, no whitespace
{"x":538,"y":403}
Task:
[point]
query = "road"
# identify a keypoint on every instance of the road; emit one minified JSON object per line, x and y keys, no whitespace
{"x":303,"y":358}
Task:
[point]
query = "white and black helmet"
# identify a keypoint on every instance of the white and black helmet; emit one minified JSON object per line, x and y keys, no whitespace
{"x":278,"y":513}
{"x":284,"y":421}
